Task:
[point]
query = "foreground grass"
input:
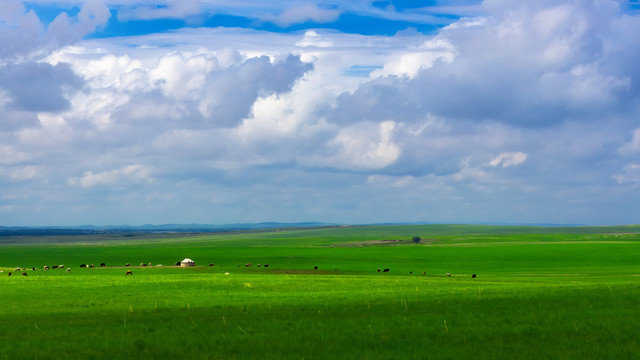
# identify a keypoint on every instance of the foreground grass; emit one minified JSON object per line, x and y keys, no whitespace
{"x":210,"y":316}
{"x":537,"y":296}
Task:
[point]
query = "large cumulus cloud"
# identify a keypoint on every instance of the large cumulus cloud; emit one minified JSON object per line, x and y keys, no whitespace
{"x":527,"y":113}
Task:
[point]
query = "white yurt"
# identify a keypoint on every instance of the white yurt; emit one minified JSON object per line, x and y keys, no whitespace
{"x":187,"y":262}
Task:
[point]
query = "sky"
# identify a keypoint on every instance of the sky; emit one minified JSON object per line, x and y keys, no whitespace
{"x":207,"y":111}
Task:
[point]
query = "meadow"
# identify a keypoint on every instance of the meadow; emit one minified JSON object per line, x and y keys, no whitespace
{"x":540,"y":292}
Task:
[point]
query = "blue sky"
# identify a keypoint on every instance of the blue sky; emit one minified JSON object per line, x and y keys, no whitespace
{"x":208,"y":111}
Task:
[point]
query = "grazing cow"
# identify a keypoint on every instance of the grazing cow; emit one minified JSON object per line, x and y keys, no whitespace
{"x":9,"y":274}
{"x":68,"y":270}
{"x":83,"y":265}
{"x":177,"y":263}
{"x":60,"y":266}
{"x":424,"y":273}
{"x":258,"y":265}
{"x":211,"y":264}
{"x":448,"y":274}
{"x":248,"y":265}
{"x":16,"y":269}
{"x":54,"y":266}
{"x":473,"y":276}
{"x":103,"y":264}
{"x":129,"y":272}
{"x":143,"y":264}
{"x":410,"y":272}
{"x":266,"y":265}
{"x":34,"y":268}
{"x":24,"y":274}
{"x":46,"y":267}
{"x":385,"y":270}
{"x":91,"y":266}
{"x":127,"y":264}
{"x":315,"y":268}
{"x":379,"y":270}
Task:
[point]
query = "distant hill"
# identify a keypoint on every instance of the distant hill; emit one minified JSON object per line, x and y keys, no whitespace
{"x":148,"y":228}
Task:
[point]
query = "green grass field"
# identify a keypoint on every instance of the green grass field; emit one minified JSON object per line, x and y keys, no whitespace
{"x":554,"y":293}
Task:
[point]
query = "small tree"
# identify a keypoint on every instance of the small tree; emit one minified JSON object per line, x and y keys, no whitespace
{"x":416,"y":239}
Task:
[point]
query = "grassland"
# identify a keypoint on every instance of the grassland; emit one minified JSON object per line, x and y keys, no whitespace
{"x":557,"y":293}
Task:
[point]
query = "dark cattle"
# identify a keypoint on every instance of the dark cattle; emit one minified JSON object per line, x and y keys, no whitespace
{"x":385,"y":270}
{"x":127,"y":264}
{"x":83,"y":265}
{"x":24,"y":274}
{"x":211,"y":264}
{"x":379,"y":270}
{"x":178,"y":263}
{"x":91,"y":265}
{"x":424,"y":273}
{"x":248,"y":265}
{"x":266,"y":265}
{"x":474,"y":275}
{"x":9,"y":274}
{"x":410,"y":272}
{"x":103,"y":264}
{"x":315,"y":268}
{"x":143,"y":264}
{"x":54,"y":266}
{"x":129,"y":272}
{"x":34,"y":268}
{"x":46,"y":267}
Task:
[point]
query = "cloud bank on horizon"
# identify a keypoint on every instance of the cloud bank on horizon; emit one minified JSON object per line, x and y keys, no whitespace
{"x":203,"y":111}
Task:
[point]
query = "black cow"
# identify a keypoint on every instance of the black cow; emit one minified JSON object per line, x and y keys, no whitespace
{"x":315,"y":268}
{"x":91,"y":265}
{"x":211,"y":264}
{"x":127,"y":264}
{"x":34,"y":268}
{"x":266,"y":265}
{"x":143,"y":264}
{"x":473,"y":276}
{"x":379,"y":270}
{"x":129,"y":272}
{"x":177,"y":263}
{"x":9,"y":274}
{"x":385,"y":270}
{"x":83,"y":265}
{"x":24,"y":274}
{"x":103,"y":264}
{"x":54,"y":266}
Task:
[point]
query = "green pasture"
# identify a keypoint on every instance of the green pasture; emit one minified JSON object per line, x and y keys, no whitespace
{"x":540,"y":293}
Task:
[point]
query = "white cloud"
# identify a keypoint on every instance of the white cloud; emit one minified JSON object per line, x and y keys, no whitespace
{"x":631,"y":174}
{"x":632,"y":146}
{"x":297,"y":14}
{"x":507,"y":159}
{"x":166,"y":9}
{"x":131,"y":173}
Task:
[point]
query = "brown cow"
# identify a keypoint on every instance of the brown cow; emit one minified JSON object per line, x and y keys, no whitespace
{"x":46,"y":267}
{"x":129,"y":272}
{"x":248,"y":264}
{"x":24,"y":274}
